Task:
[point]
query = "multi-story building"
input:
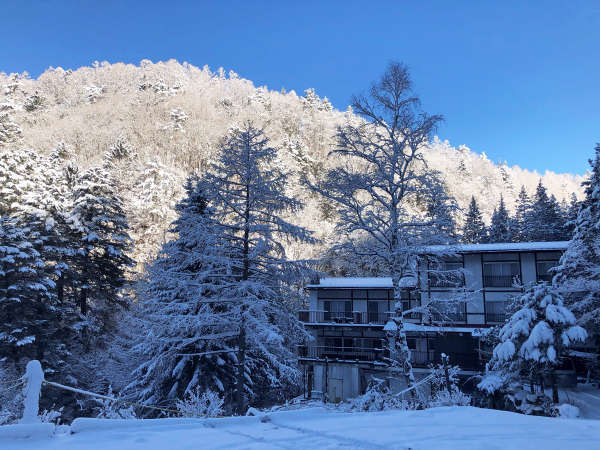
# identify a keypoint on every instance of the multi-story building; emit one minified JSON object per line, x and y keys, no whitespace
{"x":346,"y":316}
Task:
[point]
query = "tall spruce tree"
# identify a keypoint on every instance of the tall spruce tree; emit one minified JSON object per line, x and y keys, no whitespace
{"x":544,"y":220}
{"x":499,"y":229}
{"x":190,"y":333}
{"x":474,"y":231}
{"x":520,"y":226}
{"x":578,"y":274}
{"x":99,"y":221}
{"x":246,"y":190}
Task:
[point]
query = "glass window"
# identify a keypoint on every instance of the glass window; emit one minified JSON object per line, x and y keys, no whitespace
{"x":500,"y":274}
{"x":448,"y":274}
{"x":543,"y":270}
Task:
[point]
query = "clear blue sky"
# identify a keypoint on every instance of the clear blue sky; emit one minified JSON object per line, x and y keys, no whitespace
{"x":519,"y":80}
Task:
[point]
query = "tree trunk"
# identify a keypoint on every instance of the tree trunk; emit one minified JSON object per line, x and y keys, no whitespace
{"x":554,"y":386}
{"x":83,"y":306}
{"x":240,"y":395}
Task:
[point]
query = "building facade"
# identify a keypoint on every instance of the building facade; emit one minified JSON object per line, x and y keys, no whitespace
{"x":346,"y":316}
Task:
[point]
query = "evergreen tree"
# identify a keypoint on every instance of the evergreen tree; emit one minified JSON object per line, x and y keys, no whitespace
{"x":499,"y":230}
{"x":520,"y":227}
{"x":578,"y":274}
{"x":536,"y":336}
{"x":571,"y":212}
{"x":189,"y":334}
{"x":474,"y":228}
{"x":99,"y":221}
{"x":544,"y":220}
{"x":247,"y":191}
{"x":28,"y":310}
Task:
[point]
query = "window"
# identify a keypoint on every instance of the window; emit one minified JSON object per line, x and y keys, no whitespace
{"x":495,"y":312}
{"x":448,"y":274}
{"x":500,"y":274}
{"x":543,"y":270}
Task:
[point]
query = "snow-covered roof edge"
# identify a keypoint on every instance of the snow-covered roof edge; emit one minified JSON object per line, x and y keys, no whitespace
{"x":499,"y":247}
{"x":362,"y":282}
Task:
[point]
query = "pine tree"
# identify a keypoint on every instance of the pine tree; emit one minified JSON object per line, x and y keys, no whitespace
{"x":247,"y":191}
{"x":189,"y":334}
{"x":98,"y":219}
{"x":499,"y":229}
{"x":520,"y":226}
{"x":544,"y":220}
{"x":578,"y":273}
{"x":571,"y":212}
{"x":536,"y":336}
{"x":474,"y":228}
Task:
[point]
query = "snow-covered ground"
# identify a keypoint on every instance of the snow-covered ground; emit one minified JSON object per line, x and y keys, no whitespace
{"x":438,"y":428}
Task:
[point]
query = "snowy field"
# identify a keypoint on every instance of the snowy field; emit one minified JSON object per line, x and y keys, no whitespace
{"x":317,"y":428}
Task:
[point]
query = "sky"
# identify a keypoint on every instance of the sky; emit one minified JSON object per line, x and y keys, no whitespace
{"x":517,"y":80}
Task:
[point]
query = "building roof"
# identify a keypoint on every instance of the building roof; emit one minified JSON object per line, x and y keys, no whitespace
{"x":362,"y":282}
{"x":500,"y":247}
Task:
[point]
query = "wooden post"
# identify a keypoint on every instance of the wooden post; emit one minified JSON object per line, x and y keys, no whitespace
{"x":34,"y":377}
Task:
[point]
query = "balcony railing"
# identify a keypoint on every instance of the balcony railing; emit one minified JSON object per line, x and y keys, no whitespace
{"x":342,"y":317}
{"x":342,"y":353}
{"x":547,"y":277}
{"x":421,"y":359}
{"x":497,"y":281}
{"x":495,"y":317}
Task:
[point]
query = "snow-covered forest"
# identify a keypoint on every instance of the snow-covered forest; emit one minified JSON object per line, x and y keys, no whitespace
{"x":172,"y":116}
{"x":158,"y":223}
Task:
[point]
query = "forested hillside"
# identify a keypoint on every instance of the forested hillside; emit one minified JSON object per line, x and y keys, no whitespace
{"x":167,"y":118}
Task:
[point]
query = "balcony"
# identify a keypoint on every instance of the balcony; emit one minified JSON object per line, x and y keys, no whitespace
{"x":342,"y":317}
{"x":495,"y":312}
{"x":497,"y":281}
{"x":419,"y":359}
{"x":342,"y":353}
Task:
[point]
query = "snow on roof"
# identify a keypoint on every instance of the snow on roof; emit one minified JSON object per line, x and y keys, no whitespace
{"x":362,"y":282}
{"x":499,"y":247}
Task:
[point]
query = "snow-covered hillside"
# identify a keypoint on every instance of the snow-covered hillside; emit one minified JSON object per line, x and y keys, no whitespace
{"x":173,"y":115}
{"x":438,"y":428}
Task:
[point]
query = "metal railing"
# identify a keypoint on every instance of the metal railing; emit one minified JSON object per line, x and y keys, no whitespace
{"x":419,"y":359}
{"x":342,"y":353}
{"x":495,"y":317}
{"x":497,"y":280}
{"x":344,"y":317}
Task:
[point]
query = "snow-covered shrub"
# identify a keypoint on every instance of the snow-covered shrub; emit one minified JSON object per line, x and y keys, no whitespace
{"x":110,"y":409}
{"x":52,"y":415}
{"x":567,"y":411}
{"x":201,"y":404}
{"x":379,"y":397}
{"x":444,"y":386}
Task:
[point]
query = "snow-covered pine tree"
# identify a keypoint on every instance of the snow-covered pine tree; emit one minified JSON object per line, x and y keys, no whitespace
{"x":246,"y":190}
{"x":537,"y":336}
{"x":474,"y":231}
{"x":544,"y":220}
{"x":189,"y":334}
{"x":101,"y":261}
{"x":499,"y":229}
{"x":578,"y":273}
{"x":384,"y":193}
{"x":520,"y":226}
{"x":570,"y":213}
{"x":28,"y":310}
